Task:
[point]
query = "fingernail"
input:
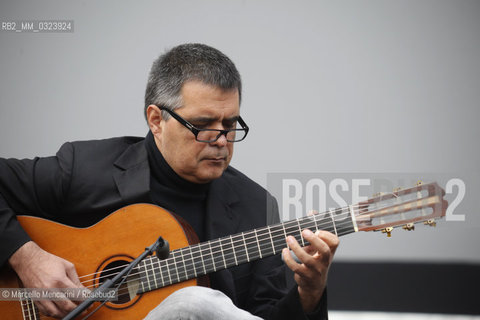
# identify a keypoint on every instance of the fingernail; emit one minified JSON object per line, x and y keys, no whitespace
{"x":307,"y":233}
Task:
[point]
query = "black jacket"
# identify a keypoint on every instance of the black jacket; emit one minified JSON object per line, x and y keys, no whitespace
{"x":87,"y":180}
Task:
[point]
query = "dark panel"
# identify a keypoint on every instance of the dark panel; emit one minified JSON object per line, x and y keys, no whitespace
{"x":405,"y":287}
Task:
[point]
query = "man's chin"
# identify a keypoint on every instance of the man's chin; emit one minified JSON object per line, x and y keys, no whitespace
{"x":211,"y":174}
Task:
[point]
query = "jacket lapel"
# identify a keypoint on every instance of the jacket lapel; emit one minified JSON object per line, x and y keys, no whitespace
{"x":132,"y":175}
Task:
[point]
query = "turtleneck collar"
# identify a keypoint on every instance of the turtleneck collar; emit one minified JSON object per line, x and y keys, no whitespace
{"x":162,"y":171}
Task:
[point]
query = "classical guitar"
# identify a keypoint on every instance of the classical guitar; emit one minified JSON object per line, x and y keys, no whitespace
{"x":104,"y":248}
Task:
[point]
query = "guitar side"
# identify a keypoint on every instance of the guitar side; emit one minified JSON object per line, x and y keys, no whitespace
{"x":120,"y":237}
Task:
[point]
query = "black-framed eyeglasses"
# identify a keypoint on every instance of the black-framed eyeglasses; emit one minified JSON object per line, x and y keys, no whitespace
{"x":212,"y":135}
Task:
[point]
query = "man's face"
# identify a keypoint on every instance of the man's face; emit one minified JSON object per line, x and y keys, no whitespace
{"x":206,"y":107}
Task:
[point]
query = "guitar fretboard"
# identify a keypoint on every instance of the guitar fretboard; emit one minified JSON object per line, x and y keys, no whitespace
{"x":214,"y":255}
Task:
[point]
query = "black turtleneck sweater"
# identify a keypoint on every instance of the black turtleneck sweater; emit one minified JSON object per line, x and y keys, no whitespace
{"x":172,"y":192}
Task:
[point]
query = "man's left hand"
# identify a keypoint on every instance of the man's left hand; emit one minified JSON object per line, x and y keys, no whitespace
{"x":311,"y":271}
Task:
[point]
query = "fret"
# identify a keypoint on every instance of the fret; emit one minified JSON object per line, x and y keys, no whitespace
{"x":300,"y":233}
{"x":246,"y":249}
{"x":180,"y":270}
{"x":233,"y":250}
{"x":146,"y":275}
{"x":167,"y":266}
{"x":160,"y":271}
{"x":184,"y":264}
{"x":240,"y":249}
{"x":165,"y":272}
{"x":271,"y":239}
{"x":197,"y":261}
{"x":216,"y":254}
{"x":258,"y":243}
{"x":222,"y":250}
{"x":333,"y":222}
{"x":200,"y":249}
{"x":213,"y":256}
{"x":284,"y":232}
{"x":153,"y":273}
{"x":142,"y":277}
{"x":175,"y":262}
{"x":193,"y":264}
{"x":314,"y":217}
{"x":265,"y":243}
{"x":278,"y":235}
{"x":156,"y":276}
{"x":228,"y":252}
{"x":208,"y":261}
{"x":252,"y":245}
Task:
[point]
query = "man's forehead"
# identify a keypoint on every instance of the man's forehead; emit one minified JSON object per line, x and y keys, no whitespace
{"x":198,"y":89}
{"x":204,"y":101}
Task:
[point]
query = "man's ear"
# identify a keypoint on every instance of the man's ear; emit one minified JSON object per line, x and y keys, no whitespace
{"x":154,"y":117}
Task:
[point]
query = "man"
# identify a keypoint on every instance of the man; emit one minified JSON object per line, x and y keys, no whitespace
{"x":192,"y":106}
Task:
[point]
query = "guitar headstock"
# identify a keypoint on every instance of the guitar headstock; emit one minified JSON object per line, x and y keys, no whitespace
{"x":401,"y":208}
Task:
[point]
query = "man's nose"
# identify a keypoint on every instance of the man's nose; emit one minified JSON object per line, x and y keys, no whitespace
{"x":221,"y":141}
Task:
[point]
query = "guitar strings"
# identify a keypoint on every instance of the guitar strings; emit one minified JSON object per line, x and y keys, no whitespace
{"x":293,"y":224}
{"x":178,"y":278}
{"x":176,"y":249}
{"x":217,"y":248}
{"x":254,"y":233}
{"x":286,"y":225}
{"x":345,"y":210}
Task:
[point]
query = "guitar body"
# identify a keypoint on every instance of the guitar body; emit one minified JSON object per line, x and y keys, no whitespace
{"x":114,"y":241}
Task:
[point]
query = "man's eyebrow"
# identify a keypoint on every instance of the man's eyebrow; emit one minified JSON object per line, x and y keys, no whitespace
{"x":205,"y":119}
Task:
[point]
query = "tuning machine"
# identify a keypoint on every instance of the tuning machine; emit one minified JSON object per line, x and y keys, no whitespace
{"x":388,"y":231}
{"x":430,"y":222}
{"x":409,"y":227}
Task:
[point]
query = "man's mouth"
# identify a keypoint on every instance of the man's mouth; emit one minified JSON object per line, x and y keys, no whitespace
{"x":215,"y":159}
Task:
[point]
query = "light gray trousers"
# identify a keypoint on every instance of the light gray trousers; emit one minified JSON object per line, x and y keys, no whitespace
{"x":198,"y":303}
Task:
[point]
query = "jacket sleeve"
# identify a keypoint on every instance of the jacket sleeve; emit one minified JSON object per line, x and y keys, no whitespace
{"x":271,"y":297}
{"x":29,"y":187}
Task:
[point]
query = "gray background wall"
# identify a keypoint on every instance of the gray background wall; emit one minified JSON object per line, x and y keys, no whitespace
{"x":329,"y":87}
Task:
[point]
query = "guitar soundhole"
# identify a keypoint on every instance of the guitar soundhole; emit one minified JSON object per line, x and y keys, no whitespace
{"x":109,"y":270}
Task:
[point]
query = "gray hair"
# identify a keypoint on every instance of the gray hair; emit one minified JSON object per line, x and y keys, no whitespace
{"x":186,"y":62}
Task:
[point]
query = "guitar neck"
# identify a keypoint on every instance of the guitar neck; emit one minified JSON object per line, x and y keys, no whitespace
{"x":214,"y":255}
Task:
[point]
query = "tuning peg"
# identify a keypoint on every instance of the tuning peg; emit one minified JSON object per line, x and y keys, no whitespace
{"x":419,"y":183}
{"x":430,"y":222}
{"x":409,"y":227}
{"x":388,"y":231}
{"x":397,"y":189}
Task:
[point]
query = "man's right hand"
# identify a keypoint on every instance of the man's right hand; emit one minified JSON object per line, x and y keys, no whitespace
{"x":40,"y":269}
